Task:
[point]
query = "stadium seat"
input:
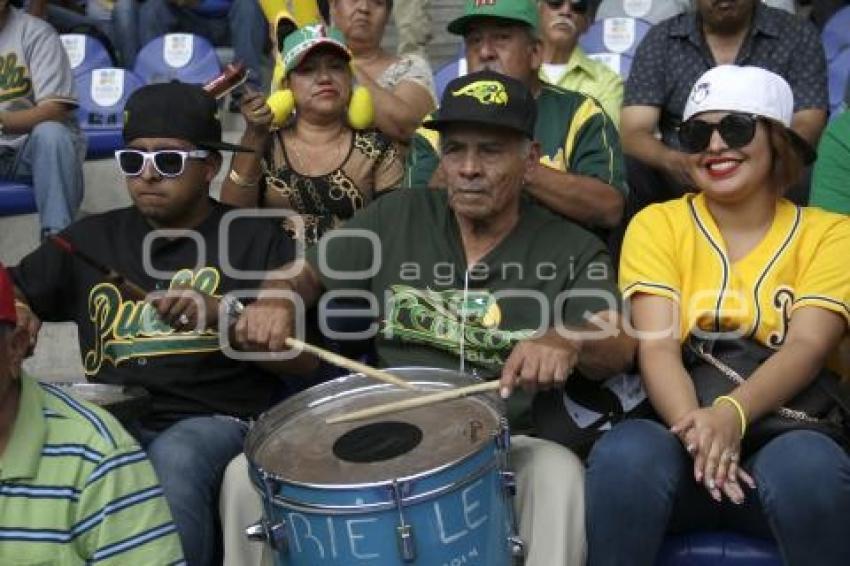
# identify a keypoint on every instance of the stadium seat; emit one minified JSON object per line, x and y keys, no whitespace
{"x":717,"y":549}
{"x":447,"y":72}
{"x":102,"y":94}
{"x":16,"y":198}
{"x":177,"y":56}
{"x":838,"y":79}
{"x":652,"y":11}
{"x":836,"y":34}
{"x":451,"y":70}
{"x":620,"y":63}
{"x":789,"y":6}
{"x":85,"y":53}
{"x":614,"y":35}
{"x":213,"y":8}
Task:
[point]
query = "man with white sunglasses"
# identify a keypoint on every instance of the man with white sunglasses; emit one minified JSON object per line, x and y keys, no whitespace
{"x":176,"y":240}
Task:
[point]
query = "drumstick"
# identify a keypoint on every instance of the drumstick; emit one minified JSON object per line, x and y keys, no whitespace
{"x":349,"y":364}
{"x":415,"y":402}
{"x":134,"y":291}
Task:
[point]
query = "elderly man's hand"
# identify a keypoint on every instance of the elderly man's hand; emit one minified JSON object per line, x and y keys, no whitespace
{"x":540,"y":363}
{"x":265,"y":325}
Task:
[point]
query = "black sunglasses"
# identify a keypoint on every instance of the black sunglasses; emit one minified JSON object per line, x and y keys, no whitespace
{"x":578,"y":6}
{"x":737,"y":130}
{"x":167,"y":162}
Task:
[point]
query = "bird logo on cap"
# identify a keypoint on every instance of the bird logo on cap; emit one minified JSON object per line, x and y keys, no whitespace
{"x":486,"y":92}
{"x":700,"y":92}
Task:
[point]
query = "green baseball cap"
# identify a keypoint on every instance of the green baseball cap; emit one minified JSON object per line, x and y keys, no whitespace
{"x":520,"y":11}
{"x":302,"y":41}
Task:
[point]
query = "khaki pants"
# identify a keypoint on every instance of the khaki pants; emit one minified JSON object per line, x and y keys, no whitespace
{"x":413,"y":23}
{"x":549,"y":507}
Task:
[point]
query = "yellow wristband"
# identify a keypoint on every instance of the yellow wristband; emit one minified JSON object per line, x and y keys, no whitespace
{"x":23,"y":305}
{"x":241,"y":181}
{"x":737,"y":404}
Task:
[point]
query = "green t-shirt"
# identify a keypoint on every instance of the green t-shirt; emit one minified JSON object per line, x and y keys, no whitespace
{"x":548,"y":270}
{"x":831,"y":177}
{"x":574,"y":133}
{"x":76,"y":488}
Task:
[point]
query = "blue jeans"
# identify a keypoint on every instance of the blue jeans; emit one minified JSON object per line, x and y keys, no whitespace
{"x":245,"y":27}
{"x":57,"y":180}
{"x":640,"y":486}
{"x":189,"y":458}
{"x":119,"y":24}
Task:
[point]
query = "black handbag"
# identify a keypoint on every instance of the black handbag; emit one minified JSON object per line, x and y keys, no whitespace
{"x":719,"y":366}
{"x":577,"y":415}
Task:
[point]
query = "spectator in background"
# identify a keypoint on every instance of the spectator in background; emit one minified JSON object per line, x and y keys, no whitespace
{"x":565,"y":63}
{"x":831,"y":178}
{"x":37,"y":99}
{"x":678,"y":51}
{"x":117,"y":21}
{"x":413,"y":23}
{"x":110,"y":508}
{"x":316,"y":165}
{"x":580,"y":174}
{"x":244,"y":26}
{"x":402,"y":87}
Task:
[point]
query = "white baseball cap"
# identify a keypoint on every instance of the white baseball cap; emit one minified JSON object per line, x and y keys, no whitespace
{"x":749,"y":90}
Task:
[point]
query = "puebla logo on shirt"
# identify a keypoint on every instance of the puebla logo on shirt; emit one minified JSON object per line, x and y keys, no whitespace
{"x":132,"y":329}
{"x":447,"y":319}
{"x":14,"y":82}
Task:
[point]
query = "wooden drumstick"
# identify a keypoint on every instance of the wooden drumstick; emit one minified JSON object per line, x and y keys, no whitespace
{"x":415,"y":402}
{"x":349,"y":364}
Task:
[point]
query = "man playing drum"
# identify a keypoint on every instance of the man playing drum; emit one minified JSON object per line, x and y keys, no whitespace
{"x":178,"y":241}
{"x":481,"y":277}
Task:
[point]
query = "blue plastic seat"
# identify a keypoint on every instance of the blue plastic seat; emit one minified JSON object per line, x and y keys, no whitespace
{"x":620,"y":63}
{"x":85,"y":53}
{"x":16,"y":198}
{"x":836,"y":33}
{"x":184,"y":57}
{"x":718,"y":548}
{"x":614,"y":35}
{"x":838,"y":80}
{"x":652,"y":11}
{"x":102,"y":95}
{"x":213,"y":8}
{"x":451,"y":70}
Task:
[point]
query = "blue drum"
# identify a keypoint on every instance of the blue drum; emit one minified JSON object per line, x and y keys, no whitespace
{"x":428,"y":486}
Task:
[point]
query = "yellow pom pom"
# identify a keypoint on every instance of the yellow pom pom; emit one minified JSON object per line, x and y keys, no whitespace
{"x":282,"y":103}
{"x":361,"y":111}
{"x":277,"y":76}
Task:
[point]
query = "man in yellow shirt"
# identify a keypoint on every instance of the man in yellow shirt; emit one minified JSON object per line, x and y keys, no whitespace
{"x":566,"y":65}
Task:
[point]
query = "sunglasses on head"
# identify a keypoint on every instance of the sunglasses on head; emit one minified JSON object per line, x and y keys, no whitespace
{"x":737,"y":130}
{"x":578,"y":6}
{"x":167,"y":162}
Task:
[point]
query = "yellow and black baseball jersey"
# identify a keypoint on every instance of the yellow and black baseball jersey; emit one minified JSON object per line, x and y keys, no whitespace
{"x":675,"y":250}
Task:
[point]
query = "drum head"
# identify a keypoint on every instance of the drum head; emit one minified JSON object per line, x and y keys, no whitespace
{"x":293,"y":443}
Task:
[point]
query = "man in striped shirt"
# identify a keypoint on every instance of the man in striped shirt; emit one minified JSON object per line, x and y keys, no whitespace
{"x":74,"y":486}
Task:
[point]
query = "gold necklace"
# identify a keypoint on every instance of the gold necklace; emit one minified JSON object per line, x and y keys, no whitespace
{"x":303,"y":164}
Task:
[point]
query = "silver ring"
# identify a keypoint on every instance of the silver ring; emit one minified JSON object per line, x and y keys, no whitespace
{"x":184,"y":319}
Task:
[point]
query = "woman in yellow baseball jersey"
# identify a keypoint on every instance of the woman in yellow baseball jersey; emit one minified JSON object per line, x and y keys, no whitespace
{"x":734,"y":258}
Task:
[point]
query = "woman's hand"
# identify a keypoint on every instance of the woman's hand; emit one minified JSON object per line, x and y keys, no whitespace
{"x":258,"y":115}
{"x":713,"y":438}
